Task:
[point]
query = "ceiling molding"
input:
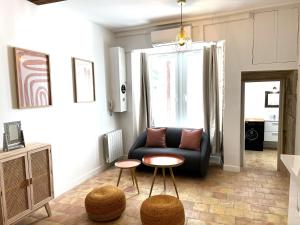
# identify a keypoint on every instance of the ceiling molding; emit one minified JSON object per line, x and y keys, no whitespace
{"x":214,"y":17}
{"x":195,"y":22}
{"x":43,"y":2}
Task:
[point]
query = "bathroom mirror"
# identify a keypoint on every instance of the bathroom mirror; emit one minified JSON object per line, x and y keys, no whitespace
{"x":13,"y":136}
{"x":271,"y":99}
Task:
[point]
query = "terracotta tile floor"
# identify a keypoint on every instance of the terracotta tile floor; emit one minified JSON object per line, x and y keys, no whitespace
{"x":266,"y":159}
{"x":251,"y":197}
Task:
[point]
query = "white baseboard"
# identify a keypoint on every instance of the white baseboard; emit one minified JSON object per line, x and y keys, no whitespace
{"x":232,"y":168}
{"x":81,"y":179}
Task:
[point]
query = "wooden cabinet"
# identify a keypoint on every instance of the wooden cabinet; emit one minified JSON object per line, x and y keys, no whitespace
{"x":275,"y":36}
{"x":26,"y":182}
{"x":15,"y":188}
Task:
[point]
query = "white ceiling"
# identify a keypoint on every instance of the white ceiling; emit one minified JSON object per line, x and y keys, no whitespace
{"x":116,"y":14}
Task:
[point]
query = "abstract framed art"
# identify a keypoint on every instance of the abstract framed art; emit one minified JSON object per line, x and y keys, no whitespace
{"x":84,"y":82}
{"x":33,"y":79}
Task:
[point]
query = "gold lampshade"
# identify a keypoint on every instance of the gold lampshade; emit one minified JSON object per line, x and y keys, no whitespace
{"x":181,"y":37}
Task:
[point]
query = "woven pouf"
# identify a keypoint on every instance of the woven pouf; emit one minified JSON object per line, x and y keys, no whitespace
{"x":105,"y":203}
{"x":162,"y":210}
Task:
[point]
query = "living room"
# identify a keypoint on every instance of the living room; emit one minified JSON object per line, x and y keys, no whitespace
{"x":256,"y":36}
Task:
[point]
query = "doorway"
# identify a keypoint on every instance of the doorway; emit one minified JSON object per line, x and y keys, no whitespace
{"x":268,"y":118}
{"x":261,"y":116}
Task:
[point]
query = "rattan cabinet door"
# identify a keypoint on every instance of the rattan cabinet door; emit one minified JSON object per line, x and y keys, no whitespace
{"x":15,"y":187}
{"x":41,"y":176}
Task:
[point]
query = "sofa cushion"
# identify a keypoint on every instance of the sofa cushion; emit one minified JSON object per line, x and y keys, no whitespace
{"x":191,"y":139}
{"x":156,"y":137}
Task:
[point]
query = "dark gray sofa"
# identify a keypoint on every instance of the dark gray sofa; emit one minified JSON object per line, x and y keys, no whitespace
{"x":196,"y":162}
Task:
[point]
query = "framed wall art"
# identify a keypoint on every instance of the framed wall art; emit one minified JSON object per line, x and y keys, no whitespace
{"x":272,"y":99}
{"x":33,"y":78}
{"x":84,"y":82}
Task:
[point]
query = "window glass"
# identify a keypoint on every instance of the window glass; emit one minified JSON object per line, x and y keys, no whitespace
{"x":176,"y":89}
{"x":162,"y":76}
{"x":194,"y":89}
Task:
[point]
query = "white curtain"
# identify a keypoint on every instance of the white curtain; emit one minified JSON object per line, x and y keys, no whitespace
{"x":213,"y":97}
{"x":140,"y":96}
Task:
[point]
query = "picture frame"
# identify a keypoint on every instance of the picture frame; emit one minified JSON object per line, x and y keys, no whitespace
{"x":13,"y":137}
{"x":272,"y":99}
{"x":84,"y":80}
{"x":32,"y":78}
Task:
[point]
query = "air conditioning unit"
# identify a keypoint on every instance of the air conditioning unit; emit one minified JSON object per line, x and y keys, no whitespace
{"x":167,"y":36}
{"x":118,"y":100}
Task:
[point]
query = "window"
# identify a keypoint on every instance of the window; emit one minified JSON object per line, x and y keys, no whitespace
{"x":176,"y":89}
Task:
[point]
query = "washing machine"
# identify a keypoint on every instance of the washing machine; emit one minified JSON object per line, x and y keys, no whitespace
{"x":254,"y":135}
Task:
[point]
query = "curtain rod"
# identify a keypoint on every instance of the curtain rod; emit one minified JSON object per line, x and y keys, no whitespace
{"x":165,"y":49}
{"x":171,"y":51}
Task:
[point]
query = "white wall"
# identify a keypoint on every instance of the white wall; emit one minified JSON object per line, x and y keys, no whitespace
{"x":73,"y":129}
{"x":238,"y":57}
{"x":237,"y":31}
{"x":255,"y":100}
{"x":297,"y":142}
{"x":126,"y":118}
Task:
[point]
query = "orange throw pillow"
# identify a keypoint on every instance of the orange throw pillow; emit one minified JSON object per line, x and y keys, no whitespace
{"x":156,"y":137}
{"x":191,"y":139}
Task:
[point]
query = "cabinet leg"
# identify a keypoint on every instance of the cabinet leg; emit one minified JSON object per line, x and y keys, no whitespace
{"x":48,"y":209}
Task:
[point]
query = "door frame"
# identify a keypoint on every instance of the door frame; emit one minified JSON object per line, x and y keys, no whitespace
{"x":265,"y":76}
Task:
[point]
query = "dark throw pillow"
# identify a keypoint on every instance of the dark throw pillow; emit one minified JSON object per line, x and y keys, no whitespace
{"x":191,"y":139}
{"x":156,"y":137}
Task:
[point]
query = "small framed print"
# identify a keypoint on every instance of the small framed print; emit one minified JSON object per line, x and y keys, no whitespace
{"x":33,"y":78}
{"x":84,"y":81}
{"x":13,"y":137}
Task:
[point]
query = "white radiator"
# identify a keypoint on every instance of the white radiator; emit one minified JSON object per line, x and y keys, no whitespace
{"x":113,"y":145}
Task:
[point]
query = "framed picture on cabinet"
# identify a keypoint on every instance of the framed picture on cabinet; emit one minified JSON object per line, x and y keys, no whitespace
{"x":84,"y":81}
{"x":13,"y":137}
{"x":33,"y":78}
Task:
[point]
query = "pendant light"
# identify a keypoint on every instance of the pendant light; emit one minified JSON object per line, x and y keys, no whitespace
{"x":181,"y":37}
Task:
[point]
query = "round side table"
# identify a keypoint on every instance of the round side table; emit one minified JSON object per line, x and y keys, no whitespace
{"x":128,"y":164}
{"x":163,"y":161}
